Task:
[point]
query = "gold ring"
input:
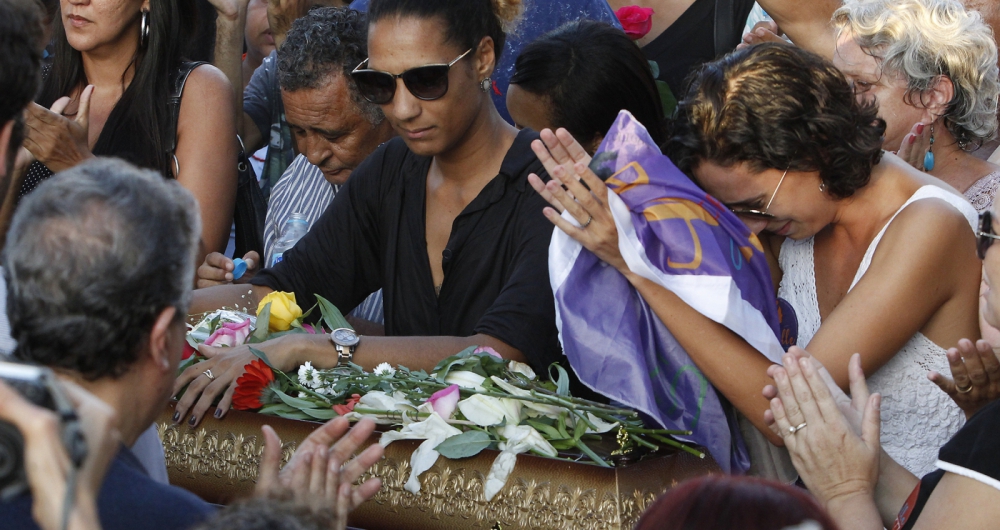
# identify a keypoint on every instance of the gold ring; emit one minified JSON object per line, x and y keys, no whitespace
{"x":965,"y":390}
{"x":793,"y":430}
{"x":208,"y":373}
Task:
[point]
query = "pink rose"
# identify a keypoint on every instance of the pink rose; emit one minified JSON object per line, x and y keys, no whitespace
{"x":487,"y":349}
{"x":230,"y":335}
{"x":444,"y":401}
{"x":636,"y":21}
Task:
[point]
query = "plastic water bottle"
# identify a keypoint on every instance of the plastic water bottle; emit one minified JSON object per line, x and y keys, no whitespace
{"x":295,"y":227}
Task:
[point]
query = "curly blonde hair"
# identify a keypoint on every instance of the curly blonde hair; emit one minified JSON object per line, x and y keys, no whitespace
{"x":924,"y":39}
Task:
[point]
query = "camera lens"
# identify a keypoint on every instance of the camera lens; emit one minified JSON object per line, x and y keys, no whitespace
{"x":11,"y":459}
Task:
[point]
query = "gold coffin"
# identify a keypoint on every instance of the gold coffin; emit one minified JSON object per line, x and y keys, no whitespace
{"x":218,"y":461}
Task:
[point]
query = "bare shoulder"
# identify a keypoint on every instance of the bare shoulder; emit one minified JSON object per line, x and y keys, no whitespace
{"x":208,"y":85}
{"x":930,"y":231}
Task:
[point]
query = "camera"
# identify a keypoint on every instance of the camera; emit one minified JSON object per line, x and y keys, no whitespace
{"x":38,"y":385}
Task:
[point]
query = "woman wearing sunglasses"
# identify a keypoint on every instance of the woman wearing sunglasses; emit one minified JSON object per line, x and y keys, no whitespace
{"x":874,"y":256}
{"x":441,"y":218}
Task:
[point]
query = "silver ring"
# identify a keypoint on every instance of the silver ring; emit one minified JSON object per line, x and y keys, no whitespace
{"x":585,"y":225}
{"x":797,"y":428}
{"x":208,"y":373}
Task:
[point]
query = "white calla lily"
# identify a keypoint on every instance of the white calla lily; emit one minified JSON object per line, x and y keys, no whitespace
{"x":466,"y":379}
{"x":602,"y":426}
{"x":379,"y":400}
{"x":522,"y":368}
{"x":517,"y":439}
{"x":486,"y":411}
{"x":544,"y":409}
{"x":433,"y":431}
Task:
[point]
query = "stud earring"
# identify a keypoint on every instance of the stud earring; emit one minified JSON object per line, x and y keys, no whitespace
{"x":929,"y":157}
{"x":822,"y":187}
{"x":486,"y":84}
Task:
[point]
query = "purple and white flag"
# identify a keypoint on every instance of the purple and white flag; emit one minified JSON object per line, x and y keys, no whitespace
{"x":672,"y":233}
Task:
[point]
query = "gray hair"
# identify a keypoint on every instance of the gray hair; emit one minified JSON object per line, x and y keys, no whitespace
{"x":924,"y":39}
{"x":93,"y":256}
{"x":327,"y":41}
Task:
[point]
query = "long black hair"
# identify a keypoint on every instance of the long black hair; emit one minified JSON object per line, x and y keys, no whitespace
{"x":590,"y":71}
{"x":140,"y":117}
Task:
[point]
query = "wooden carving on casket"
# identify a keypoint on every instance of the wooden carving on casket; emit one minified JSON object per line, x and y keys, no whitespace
{"x":218,"y":461}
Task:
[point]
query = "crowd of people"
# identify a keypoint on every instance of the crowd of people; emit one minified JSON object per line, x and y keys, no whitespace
{"x":429,"y":150}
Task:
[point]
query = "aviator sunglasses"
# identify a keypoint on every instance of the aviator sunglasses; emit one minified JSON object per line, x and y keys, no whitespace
{"x":428,"y":82}
{"x":760,"y":215}
{"x":985,"y":234}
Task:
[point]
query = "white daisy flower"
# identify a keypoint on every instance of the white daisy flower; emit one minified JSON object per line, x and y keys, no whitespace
{"x":385,"y":369}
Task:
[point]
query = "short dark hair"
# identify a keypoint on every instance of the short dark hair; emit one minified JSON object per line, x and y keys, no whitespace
{"x":267,"y":514}
{"x":466,"y":21}
{"x":590,"y":71}
{"x":725,"y":501}
{"x":327,"y":40}
{"x":777,"y":106}
{"x":92,"y":258}
{"x":20,"y":63}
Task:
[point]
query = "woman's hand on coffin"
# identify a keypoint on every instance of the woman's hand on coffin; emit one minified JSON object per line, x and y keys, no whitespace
{"x":574,"y":188}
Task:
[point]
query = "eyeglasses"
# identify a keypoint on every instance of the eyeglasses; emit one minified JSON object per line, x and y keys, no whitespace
{"x":985,"y":234}
{"x":760,"y":215}
{"x":428,"y":82}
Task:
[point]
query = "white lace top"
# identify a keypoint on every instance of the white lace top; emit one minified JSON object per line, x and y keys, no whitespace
{"x":983,"y":191}
{"x":917,"y":417}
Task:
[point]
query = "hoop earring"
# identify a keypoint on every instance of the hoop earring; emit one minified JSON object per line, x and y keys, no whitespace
{"x":486,"y":84}
{"x":144,"y":29}
{"x":929,"y":156}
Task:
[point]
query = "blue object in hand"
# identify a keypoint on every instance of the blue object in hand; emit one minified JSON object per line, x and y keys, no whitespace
{"x":239,"y":267}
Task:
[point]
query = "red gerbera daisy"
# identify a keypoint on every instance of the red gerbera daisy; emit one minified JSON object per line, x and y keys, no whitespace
{"x":250,"y":386}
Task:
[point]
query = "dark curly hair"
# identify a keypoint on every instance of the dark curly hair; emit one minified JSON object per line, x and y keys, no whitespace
{"x":725,"y":502}
{"x":93,"y":256}
{"x":777,"y":106}
{"x":279,"y":513}
{"x":20,"y":63}
{"x":325,"y":41}
{"x":590,"y":71}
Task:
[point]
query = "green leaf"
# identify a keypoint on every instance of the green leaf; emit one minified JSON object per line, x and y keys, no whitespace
{"x":297,"y":403}
{"x":297,"y":415}
{"x":464,"y":445}
{"x":548,"y":430}
{"x":332,"y":316}
{"x":276,"y":408}
{"x":655,"y":68}
{"x":263,"y":323}
{"x":561,"y":379}
{"x":321,"y":414}
{"x":666,"y":98}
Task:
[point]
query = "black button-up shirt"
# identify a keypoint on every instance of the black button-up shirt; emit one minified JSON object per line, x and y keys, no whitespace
{"x":496,"y":279}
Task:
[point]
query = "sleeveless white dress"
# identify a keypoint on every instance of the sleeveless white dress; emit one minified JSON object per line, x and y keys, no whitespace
{"x":917,"y":417}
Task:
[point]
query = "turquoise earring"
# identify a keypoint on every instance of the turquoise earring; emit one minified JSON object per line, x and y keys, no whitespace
{"x":929,"y":157}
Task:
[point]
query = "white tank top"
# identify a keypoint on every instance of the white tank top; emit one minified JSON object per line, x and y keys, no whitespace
{"x":917,"y":417}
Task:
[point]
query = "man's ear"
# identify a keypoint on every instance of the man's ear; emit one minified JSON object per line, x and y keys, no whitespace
{"x":936,"y":99}
{"x":159,"y":338}
{"x":6,"y":150}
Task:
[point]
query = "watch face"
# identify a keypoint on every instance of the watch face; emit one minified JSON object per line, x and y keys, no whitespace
{"x":345,"y":337}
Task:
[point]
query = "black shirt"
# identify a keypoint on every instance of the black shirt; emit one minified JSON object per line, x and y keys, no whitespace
{"x":973,"y":452}
{"x":496,"y":279}
{"x":690,"y":41}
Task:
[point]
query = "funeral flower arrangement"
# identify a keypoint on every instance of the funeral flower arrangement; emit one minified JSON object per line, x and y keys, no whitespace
{"x":471,"y":401}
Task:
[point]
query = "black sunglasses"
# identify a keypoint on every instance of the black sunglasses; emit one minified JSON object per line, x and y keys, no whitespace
{"x":985,"y":235}
{"x":428,"y":82}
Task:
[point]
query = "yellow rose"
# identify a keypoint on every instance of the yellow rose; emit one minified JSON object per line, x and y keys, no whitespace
{"x":284,"y":310}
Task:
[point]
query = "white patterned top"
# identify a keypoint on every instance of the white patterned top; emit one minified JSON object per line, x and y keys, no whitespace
{"x":917,"y":417}
{"x":983,"y":191}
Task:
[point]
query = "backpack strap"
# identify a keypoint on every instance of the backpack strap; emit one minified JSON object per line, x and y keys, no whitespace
{"x":174,"y":108}
{"x":724,"y":30}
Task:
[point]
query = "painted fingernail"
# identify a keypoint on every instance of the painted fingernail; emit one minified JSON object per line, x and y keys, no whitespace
{"x":920,"y":128}
{"x":218,"y":413}
{"x":193,"y":420}
{"x":177,"y":416}
{"x":912,"y":138}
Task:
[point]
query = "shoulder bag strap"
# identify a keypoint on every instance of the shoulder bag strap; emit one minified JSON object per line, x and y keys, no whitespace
{"x":724,"y":29}
{"x":174,"y":108}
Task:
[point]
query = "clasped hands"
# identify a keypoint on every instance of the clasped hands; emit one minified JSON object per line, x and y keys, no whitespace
{"x":54,"y":139}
